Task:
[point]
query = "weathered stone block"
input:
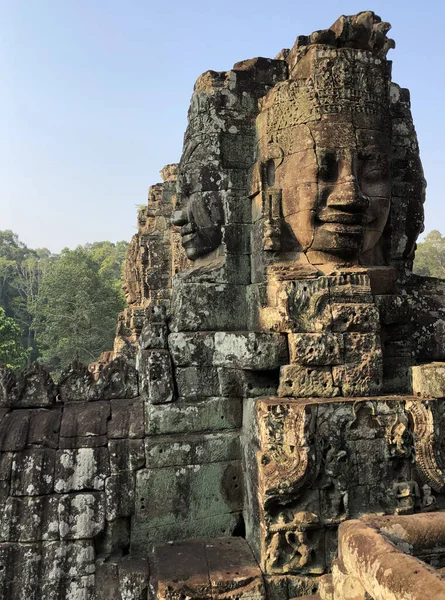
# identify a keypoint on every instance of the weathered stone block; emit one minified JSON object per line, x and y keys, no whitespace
{"x":107,"y":580}
{"x":211,"y":569}
{"x":82,"y":588}
{"x":5,"y":465}
{"x":359,"y":380}
{"x":21,"y":566}
{"x":30,"y":519}
{"x":68,"y":559}
{"x":180,"y":569}
{"x":133,"y":578}
{"x":197,"y":381}
{"x":185,"y":500}
{"x":14,"y":430}
{"x":250,"y":350}
{"x":155,"y":371}
{"x":118,"y":379}
{"x":211,"y":414}
{"x":35,"y":388}
{"x":396,"y":376}
{"x":127,"y":419}
{"x":32,"y":472}
{"x":44,"y":427}
{"x":392,"y":309}
{"x":153,"y":335}
{"x":191,"y":449}
{"x":84,"y":424}
{"x":362,"y":318}
{"x":115,"y":538}
{"x":126,"y":455}
{"x":4,"y":494}
{"x":81,"y":469}
{"x":209,"y":306}
{"x":192,"y":349}
{"x":236,"y":238}
{"x":119,"y":578}
{"x":81,"y":516}
{"x":233,"y":569}
{"x":119,"y":495}
{"x":299,"y":585}
{"x":318,"y":349}
{"x":360,"y":346}
{"x":8,"y":387}
{"x":236,"y":207}
{"x":428,"y":380}
{"x":304,"y":382}
{"x":77,"y":384}
{"x":244,"y":383}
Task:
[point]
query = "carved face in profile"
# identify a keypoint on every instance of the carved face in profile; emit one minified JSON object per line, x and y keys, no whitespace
{"x":200,"y":218}
{"x":336,"y":194}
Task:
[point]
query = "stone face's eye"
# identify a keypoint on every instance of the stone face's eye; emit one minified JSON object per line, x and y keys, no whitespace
{"x":328,"y":170}
{"x":372,"y":171}
{"x":374,"y":176}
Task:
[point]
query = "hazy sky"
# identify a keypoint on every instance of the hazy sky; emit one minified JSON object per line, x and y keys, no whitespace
{"x":95,"y":96}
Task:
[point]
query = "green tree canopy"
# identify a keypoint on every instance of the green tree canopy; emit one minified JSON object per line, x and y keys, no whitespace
{"x":12,"y":352}
{"x":76,"y":309}
{"x":111,"y":257}
{"x":21,"y":269}
{"x":430,"y":255}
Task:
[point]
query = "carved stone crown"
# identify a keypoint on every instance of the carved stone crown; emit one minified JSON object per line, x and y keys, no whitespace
{"x":363,"y":31}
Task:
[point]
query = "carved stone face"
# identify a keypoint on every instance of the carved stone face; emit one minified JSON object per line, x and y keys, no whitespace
{"x":200,"y":219}
{"x":336,"y":194}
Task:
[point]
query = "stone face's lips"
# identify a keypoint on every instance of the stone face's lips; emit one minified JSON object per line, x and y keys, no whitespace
{"x":346,"y":228}
{"x":188,"y":233}
{"x":188,"y":237}
{"x":347,"y":218}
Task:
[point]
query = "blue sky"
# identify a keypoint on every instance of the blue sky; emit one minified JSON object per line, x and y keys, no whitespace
{"x":95,"y":96}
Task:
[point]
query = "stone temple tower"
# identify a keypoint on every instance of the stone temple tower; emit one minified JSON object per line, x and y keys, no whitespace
{"x":271,"y":422}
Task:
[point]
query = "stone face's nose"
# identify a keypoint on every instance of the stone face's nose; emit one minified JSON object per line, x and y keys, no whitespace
{"x":179,"y":218}
{"x":347,"y":195}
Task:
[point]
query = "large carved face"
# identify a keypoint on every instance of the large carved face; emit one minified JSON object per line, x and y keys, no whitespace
{"x":336,"y":194}
{"x":200,"y":218}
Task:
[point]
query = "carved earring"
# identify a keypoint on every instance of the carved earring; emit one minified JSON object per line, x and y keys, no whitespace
{"x":272,"y":220}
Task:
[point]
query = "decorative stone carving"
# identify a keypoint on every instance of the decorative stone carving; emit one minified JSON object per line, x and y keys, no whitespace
{"x":427,"y":458}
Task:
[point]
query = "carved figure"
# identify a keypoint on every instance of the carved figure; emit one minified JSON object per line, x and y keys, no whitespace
{"x":325,"y":143}
{"x":428,"y":500}
{"x":200,"y":220}
{"x":407,"y":496}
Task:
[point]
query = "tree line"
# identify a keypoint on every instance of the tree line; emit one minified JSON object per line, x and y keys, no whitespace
{"x":57,"y":308}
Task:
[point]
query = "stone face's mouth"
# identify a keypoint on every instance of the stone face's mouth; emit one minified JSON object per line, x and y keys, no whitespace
{"x":344,"y":218}
{"x":345,"y":228}
{"x":188,"y":237}
{"x":188,"y":233}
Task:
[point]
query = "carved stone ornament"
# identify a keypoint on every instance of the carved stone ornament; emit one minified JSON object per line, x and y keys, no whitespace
{"x":427,"y":459}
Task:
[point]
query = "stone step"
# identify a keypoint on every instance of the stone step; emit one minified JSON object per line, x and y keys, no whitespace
{"x":206,"y":569}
